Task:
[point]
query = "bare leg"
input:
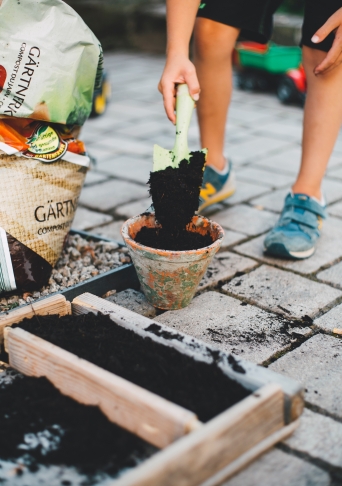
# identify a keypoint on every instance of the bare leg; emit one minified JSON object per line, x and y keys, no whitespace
{"x":322,"y":121}
{"x":214,"y":44}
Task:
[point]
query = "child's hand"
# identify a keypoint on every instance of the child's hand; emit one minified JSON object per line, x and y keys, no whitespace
{"x":334,"y":56}
{"x":178,"y":69}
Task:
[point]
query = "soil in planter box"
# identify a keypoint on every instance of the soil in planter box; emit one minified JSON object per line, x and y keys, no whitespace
{"x":175,"y":194}
{"x":200,"y":387}
{"x":40,"y":426}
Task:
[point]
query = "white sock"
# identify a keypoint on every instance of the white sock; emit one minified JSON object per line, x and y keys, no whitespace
{"x":223,"y":171}
{"x":321,"y":201}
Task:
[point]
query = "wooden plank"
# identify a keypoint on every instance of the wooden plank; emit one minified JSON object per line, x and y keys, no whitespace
{"x":143,"y":413}
{"x":254,"y":378}
{"x":197,"y":457}
{"x":245,"y":459}
{"x":56,"y":304}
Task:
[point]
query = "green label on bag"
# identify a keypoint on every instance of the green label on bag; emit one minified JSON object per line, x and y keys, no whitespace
{"x":7,"y":280}
{"x":45,"y":145}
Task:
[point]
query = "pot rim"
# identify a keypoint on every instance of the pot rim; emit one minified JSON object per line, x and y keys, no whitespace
{"x":131,"y":242}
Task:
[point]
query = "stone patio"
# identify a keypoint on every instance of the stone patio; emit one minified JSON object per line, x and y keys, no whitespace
{"x":286,"y":315}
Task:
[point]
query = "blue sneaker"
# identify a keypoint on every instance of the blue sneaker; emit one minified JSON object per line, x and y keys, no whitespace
{"x":298,"y":229}
{"x":216,"y":187}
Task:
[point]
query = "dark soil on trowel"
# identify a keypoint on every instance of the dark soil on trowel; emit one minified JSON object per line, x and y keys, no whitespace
{"x":40,"y":426}
{"x":175,"y":194}
{"x":200,"y":387}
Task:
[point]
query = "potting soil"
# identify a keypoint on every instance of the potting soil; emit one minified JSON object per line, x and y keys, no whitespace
{"x":182,"y":241}
{"x":200,"y":387}
{"x":175,"y":196}
{"x":40,"y":426}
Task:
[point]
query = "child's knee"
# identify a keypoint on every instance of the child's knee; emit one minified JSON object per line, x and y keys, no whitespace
{"x":213,"y":39}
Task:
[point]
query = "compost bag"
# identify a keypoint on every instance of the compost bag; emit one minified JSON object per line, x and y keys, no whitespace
{"x":42,"y":170}
{"x":49,"y":66}
{"x":50,"y":62}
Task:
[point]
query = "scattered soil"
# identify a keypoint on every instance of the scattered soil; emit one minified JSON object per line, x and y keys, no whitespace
{"x":185,"y":240}
{"x":175,"y":194}
{"x":200,"y":387}
{"x":39,"y":425}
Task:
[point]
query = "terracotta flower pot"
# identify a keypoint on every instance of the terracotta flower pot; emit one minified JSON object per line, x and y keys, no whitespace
{"x":170,"y":278}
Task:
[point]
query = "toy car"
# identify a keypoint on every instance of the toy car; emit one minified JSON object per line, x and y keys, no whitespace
{"x":101,"y":97}
{"x":271,"y":68}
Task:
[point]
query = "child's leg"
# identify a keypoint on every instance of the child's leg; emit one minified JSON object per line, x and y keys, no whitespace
{"x":322,"y":121}
{"x":214,"y":44}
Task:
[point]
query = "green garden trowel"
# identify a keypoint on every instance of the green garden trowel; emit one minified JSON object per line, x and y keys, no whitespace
{"x":163,"y":158}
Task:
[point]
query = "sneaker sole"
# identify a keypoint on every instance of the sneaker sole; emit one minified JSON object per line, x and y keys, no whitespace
{"x":280,"y":251}
{"x":227,"y":191}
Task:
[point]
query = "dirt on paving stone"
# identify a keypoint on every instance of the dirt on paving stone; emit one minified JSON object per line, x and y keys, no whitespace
{"x":200,"y":387}
{"x":40,"y":426}
{"x":175,"y":194}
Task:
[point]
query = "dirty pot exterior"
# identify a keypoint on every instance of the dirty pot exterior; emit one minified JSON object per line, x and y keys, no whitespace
{"x":170,"y":278}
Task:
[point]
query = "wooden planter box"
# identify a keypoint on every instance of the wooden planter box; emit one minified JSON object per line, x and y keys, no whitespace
{"x":192,"y":453}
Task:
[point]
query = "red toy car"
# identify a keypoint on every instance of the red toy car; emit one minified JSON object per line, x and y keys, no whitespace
{"x":271,"y":67}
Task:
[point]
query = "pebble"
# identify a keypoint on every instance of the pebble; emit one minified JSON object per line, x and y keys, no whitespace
{"x":80,"y":261}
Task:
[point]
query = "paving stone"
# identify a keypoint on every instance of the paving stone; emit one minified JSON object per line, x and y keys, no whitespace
{"x":127,"y":145}
{"x":245,"y":330}
{"x":317,"y":365}
{"x":146,"y":129}
{"x":86,"y":219}
{"x":111,"y":193}
{"x":101,"y":153}
{"x":132,"y":168}
{"x":281,"y":469}
{"x":336,"y":209}
{"x":247,"y":220}
{"x":332,"y":190}
{"x":231,"y":238}
{"x":272,"y":200}
{"x":275,"y":200}
{"x":283,"y":129}
{"x":265,"y":177}
{"x":224,"y":266}
{"x":134,"y":301}
{"x":286,"y":161}
{"x":93,"y":177}
{"x":331,"y":320}
{"x":328,"y":249}
{"x":256,"y":147}
{"x":112,"y":230}
{"x":134,"y":208}
{"x":246,"y":191}
{"x":284,"y":292}
{"x":318,"y":436}
{"x":335,"y":172}
{"x":332,"y":275}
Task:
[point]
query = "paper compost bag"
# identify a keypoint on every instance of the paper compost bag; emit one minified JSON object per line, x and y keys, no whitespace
{"x":49,"y":62}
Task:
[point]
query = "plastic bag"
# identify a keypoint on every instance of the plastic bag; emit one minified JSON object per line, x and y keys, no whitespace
{"x":50,"y":62}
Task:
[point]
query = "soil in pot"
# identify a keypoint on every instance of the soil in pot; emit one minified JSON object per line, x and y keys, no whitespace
{"x":200,"y":387}
{"x":40,"y":426}
{"x":175,"y":193}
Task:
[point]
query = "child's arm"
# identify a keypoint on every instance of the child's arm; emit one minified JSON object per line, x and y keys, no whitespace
{"x":181,"y":16}
{"x":334,"y":56}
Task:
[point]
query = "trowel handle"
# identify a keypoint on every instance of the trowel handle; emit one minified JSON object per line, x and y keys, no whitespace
{"x":184,"y":108}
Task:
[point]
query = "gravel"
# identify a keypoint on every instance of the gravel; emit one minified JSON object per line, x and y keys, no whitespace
{"x":80,"y":260}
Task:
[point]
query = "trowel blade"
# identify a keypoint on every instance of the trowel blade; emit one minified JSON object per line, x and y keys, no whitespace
{"x":162,"y":158}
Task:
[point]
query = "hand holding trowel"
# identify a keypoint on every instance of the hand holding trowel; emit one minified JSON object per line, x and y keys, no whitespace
{"x":177,"y":174}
